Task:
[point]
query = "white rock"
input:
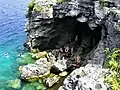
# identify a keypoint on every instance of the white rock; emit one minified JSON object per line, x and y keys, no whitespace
{"x":82,"y":19}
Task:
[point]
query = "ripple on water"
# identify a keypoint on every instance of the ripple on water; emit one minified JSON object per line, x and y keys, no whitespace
{"x":12,"y":37}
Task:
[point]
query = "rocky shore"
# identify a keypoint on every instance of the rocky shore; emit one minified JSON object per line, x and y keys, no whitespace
{"x":69,"y":38}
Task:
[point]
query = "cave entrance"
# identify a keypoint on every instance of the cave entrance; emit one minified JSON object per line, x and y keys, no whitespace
{"x":78,"y":35}
{"x":86,"y":38}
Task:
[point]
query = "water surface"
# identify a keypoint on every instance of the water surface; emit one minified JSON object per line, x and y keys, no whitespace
{"x":12,"y":36}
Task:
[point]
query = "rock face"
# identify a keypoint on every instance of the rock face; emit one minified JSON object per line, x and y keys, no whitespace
{"x":34,"y":71}
{"x":79,"y":30}
{"x":86,"y":78}
{"x":86,"y":26}
{"x":50,"y":81}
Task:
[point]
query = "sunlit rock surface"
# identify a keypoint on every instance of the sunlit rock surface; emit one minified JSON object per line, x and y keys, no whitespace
{"x":86,"y":78}
{"x":34,"y":71}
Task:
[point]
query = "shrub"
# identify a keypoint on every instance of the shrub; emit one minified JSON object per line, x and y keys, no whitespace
{"x":113,"y":64}
{"x":37,"y":8}
{"x":31,"y":4}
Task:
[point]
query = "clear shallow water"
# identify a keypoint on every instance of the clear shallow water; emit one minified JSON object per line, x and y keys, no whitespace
{"x":12,"y":36}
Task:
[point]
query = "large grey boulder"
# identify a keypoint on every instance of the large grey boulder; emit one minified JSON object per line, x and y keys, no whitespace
{"x":34,"y":71}
{"x":86,"y":78}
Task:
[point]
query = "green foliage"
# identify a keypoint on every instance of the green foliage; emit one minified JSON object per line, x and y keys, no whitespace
{"x":31,"y":4}
{"x":113,"y":57}
{"x":37,"y":8}
{"x":113,"y":80}
{"x":113,"y":64}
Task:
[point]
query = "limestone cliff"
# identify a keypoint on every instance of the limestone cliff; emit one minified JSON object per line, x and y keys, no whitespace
{"x":76,"y":32}
{"x":87,"y":26}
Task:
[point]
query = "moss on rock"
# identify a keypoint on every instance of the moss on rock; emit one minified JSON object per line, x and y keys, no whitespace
{"x":31,"y":4}
{"x":27,"y":58}
{"x":37,"y":8}
{"x":40,"y":55}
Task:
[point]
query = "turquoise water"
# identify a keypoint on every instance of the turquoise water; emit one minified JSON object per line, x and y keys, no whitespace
{"x":12,"y":36}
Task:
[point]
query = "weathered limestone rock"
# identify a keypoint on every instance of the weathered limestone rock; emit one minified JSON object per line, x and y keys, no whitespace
{"x":51,"y":80}
{"x":60,"y":65}
{"x":51,"y":58}
{"x":34,"y":71}
{"x":86,"y":26}
{"x":63,"y":74}
{"x":77,"y":23}
{"x":86,"y":78}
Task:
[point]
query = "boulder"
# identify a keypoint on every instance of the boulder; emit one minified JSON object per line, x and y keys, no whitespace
{"x":51,"y":58}
{"x":86,"y":78}
{"x":59,"y":66}
{"x":51,"y":80}
{"x":39,"y":69}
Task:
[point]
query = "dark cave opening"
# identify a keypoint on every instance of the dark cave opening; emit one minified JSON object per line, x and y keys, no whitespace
{"x":68,"y":32}
{"x":82,"y":40}
{"x":78,"y":35}
{"x":85,"y":37}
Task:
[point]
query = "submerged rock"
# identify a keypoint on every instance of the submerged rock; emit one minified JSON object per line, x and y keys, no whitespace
{"x":15,"y":84}
{"x":33,"y":86}
{"x":27,"y":58}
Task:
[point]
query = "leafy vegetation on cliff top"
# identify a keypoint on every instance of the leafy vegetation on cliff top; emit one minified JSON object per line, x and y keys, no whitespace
{"x":114,"y":65}
{"x":31,"y":4}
